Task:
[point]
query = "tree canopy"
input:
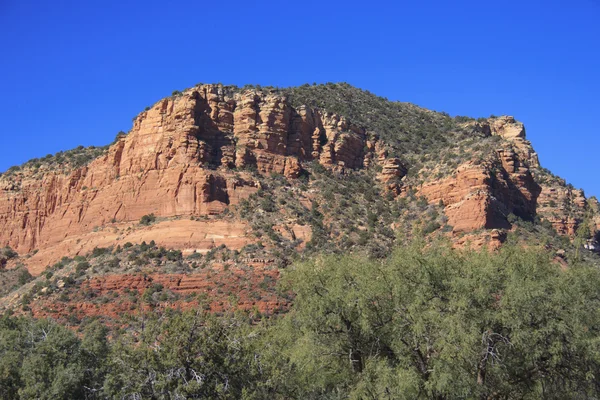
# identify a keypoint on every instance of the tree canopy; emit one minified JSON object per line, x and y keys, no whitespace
{"x":424,"y":323}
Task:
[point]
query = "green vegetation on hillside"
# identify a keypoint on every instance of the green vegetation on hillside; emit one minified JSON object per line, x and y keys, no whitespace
{"x":63,"y":161}
{"x":421,"y":324}
{"x":366,"y":222}
{"x":431,"y":143}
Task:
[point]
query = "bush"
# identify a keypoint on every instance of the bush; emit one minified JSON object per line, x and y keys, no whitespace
{"x":82,"y":266}
{"x":268,"y":204}
{"x":99,"y":251}
{"x":148,"y":219}
{"x":24,"y":277}
{"x":174,"y":255}
{"x":9,"y":253}
{"x":431,"y":227}
{"x":113,"y":263}
{"x":149,"y":293}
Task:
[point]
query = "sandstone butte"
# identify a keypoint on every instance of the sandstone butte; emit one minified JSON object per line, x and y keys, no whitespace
{"x":178,"y":161}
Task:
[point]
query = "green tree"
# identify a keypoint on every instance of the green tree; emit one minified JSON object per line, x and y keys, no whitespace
{"x":438,"y":323}
{"x":95,"y":350}
{"x":51,"y":367}
{"x":184,"y":355}
{"x":11,"y":347}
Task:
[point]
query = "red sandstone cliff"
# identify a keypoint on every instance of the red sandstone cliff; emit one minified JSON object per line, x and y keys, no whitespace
{"x":483,"y":194}
{"x":178,"y":160}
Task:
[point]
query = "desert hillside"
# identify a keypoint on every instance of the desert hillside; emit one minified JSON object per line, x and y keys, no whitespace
{"x":245,"y":180}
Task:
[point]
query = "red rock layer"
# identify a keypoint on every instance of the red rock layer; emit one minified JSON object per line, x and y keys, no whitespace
{"x":483,"y":195}
{"x":177,"y":161}
{"x":253,"y":290}
{"x":510,"y":130}
{"x":563,"y":206}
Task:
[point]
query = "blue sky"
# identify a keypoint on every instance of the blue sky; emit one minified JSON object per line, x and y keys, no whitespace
{"x":77,"y":72}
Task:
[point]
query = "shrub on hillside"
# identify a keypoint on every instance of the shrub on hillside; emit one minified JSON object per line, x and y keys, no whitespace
{"x":148,"y":219}
{"x":9,"y":253}
{"x":24,"y":277}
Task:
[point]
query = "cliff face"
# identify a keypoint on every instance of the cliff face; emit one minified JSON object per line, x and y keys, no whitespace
{"x":188,"y":155}
{"x":563,"y":206}
{"x":210,"y":128}
{"x":483,"y":194}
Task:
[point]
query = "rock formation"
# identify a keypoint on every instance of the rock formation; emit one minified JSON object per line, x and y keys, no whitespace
{"x":188,"y":155}
{"x":195,"y":153}
{"x":392,"y":172}
{"x":513,"y":132}
{"x":482,"y":195}
{"x":563,"y":206}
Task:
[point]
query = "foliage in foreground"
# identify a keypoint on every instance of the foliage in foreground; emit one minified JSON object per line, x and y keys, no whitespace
{"x":421,"y":324}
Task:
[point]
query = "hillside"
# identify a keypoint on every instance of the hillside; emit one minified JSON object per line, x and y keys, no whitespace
{"x":215,"y":189}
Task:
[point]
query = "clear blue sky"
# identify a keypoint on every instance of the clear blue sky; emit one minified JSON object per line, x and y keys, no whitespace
{"x":76,"y":72}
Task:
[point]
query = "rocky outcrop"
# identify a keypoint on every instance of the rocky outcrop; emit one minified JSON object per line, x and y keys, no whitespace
{"x":392,"y":171}
{"x":467,"y":199}
{"x":482,"y":195}
{"x":253,"y":289}
{"x":263,"y":131}
{"x":560,"y":204}
{"x":185,"y":156}
{"x":563,"y":206}
{"x":491,"y":240}
{"x":512,"y":131}
{"x":506,"y":127}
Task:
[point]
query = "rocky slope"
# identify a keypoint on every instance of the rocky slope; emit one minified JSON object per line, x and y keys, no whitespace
{"x":483,"y":194}
{"x":286,"y":171}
